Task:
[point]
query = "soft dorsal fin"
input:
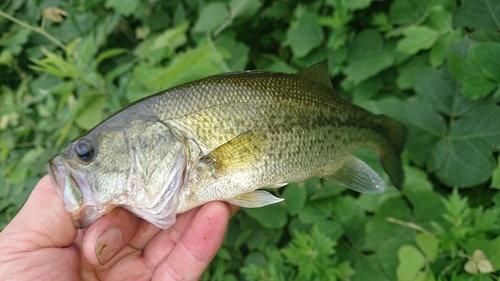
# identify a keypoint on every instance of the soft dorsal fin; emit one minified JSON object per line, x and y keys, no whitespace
{"x":236,"y":155}
{"x":318,"y":73}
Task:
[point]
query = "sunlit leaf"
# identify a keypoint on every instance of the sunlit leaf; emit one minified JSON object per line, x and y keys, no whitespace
{"x":211,"y":17}
{"x":304,"y":35}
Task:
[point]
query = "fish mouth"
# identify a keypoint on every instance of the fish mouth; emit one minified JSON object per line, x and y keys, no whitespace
{"x":74,"y":189}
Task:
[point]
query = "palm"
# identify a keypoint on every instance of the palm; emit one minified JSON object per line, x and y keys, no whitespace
{"x":59,"y":252}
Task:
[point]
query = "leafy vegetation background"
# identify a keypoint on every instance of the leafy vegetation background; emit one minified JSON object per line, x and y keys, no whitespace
{"x":434,"y":65}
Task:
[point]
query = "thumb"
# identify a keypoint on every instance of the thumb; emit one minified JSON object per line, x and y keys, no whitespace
{"x":42,"y":222}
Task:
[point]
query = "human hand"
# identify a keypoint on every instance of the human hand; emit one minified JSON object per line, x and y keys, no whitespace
{"x":41,"y":243}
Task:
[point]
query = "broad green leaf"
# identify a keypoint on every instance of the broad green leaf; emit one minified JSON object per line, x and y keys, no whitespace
{"x":367,"y":89}
{"x":272,"y":216}
{"x":350,"y":216}
{"x":304,"y":35}
{"x":439,"y":51}
{"x":359,"y":71}
{"x":295,"y":198}
{"x":368,"y":43}
{"x":332,"y":229}
{"x":378,"y":229}
{"x":417,"y":38}
{"x":124,"y":7}
{"x":194,"y":64}
{"x":474,"y":84}
{"x":238,"y":51}
{"x":244,"y":8}
{"x":407,"y":72}
{"x":91,"y":113}
{"x":479,"y":14}
{"x":211,"y":17}
{"x":411,"y":11}
{"x":315,"y":211}
{"x":464,"y":158}
{"x":487,"y":57}
{"x":411,"y":261}
{"x":439,"y":89}
{"x":439,"y":19}
{"x":428,"y":244}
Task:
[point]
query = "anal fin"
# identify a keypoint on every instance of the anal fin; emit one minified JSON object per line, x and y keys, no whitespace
{"x":356,"y":175}
{"x":255,"y":199}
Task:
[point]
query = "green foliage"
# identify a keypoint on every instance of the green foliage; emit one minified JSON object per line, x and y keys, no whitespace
{"x":434,"y":65}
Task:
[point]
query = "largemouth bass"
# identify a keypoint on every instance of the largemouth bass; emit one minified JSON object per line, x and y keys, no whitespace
{"x":224,"y":137}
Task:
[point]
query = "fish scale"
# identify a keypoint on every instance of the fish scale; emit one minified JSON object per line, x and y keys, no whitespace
{"x":222,"y":138}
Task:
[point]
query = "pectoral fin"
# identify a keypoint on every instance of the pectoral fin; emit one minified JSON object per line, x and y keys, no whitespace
{"x":255,"y":199}
{"x":356,"y":175}
{"x":236,"y":155}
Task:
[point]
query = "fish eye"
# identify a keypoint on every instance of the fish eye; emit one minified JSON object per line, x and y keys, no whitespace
{"x":85,"y":150}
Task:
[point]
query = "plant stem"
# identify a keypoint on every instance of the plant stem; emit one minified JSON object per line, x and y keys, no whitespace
{"x":411,"y":225}
{"x":35,"y":29}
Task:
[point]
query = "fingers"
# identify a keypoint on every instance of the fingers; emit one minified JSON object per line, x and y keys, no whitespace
{"x":106,"y":237}
{"x":44,"y":214}
{"x":198,"y":244}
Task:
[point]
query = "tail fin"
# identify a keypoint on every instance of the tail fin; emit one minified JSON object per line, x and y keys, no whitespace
{"x":396,"y":134}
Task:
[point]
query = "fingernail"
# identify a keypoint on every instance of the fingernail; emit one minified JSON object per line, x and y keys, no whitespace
{"x":108,"y":244}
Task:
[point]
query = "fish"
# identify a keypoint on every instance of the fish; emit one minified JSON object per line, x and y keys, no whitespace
{"x":224,"y":137}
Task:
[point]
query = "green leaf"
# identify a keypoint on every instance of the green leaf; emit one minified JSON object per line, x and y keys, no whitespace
{"x":244,"y":8}
{"x":407,"y":72}
{"x":438,"y":88}
{"x":194,"y":64}
{"x":315,"y":211}
{"x":367,"y":43}
{"x":439,"y":19}
{"x":304,"y":35}
{"x":440,"y":50}
{"x":295,"y":198}
{"x":411,"y":11}
{"x":465,"y":158}
{"x":239,"y":51}
{"x":91,"y":113}
{"x":212,"y":15}
{"x":483,"y":14}
{"x":411,"y":261}
{"x":363,"y":69}
{"x":474,"y":84}
{"x":272,"y":216}
{"x":367,"y":89}
{"x":124,"y":7}
{"x":417,"y":38}
{"x":428,"y":244}
{"x":487,"y":57}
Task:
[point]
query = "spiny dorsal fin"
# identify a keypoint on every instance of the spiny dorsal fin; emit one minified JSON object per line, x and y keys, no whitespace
{"x":236,"y":155}
{"x":318,"y":73}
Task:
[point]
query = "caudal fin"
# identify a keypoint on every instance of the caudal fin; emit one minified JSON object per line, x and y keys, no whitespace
{"x":396,"y":134}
